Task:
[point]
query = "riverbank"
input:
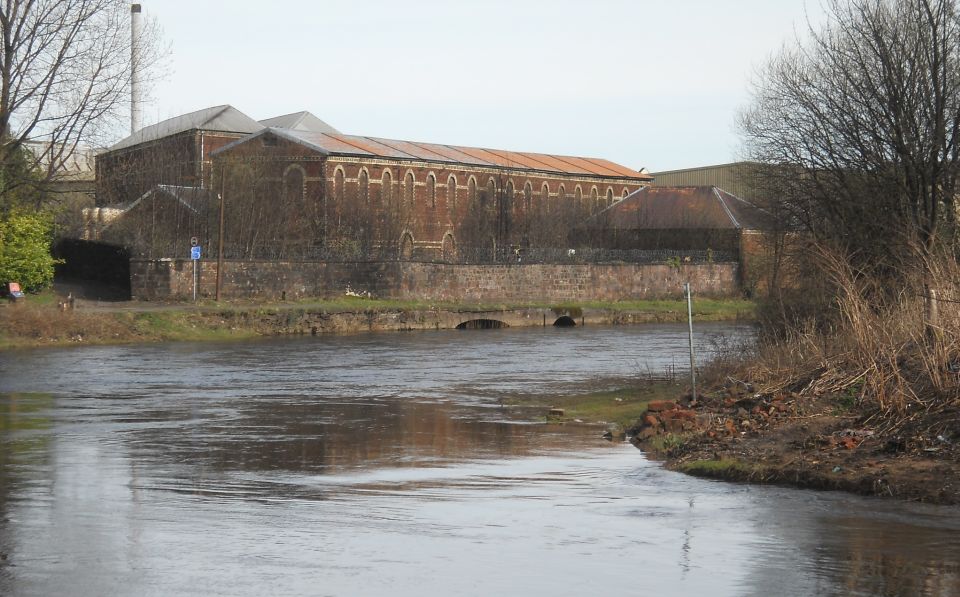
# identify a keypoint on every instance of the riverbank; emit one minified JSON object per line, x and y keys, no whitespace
{"x":49,"y":321}
{"x":737,"y":434}
{"x":803,"y":440}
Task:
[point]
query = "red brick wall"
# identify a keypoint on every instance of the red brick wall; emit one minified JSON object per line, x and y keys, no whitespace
{"x":182,"y":159}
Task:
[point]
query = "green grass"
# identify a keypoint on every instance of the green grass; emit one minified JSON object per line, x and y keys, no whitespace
{"x":621,"y":406}
{"x":667,"y":443}
{"x":181,"y":325}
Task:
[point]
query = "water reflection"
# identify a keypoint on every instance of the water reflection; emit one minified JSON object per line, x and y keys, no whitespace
{"x":355,"y":465}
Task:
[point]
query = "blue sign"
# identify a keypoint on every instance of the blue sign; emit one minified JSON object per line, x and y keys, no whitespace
{"x":195,"y":253}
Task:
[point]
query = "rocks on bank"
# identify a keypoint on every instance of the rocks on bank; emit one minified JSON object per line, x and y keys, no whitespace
{"x":788,"y":438}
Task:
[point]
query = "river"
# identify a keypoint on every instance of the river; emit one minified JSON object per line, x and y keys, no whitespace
{"x":385,"y":464}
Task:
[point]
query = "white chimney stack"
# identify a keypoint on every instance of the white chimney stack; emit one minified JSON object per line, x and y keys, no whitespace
{"x":136,"y":29}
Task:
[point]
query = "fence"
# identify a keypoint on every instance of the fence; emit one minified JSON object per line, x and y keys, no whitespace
{"x":464,"y":255}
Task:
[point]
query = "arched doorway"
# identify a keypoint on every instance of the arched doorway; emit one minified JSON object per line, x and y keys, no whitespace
{"x":448,"y":248}
{"x":406,"y":247}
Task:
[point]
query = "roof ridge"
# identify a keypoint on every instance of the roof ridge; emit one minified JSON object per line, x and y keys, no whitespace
{"x":716,"y":193}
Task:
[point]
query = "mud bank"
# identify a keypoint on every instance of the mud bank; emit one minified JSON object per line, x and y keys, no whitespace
{"x":798,"y":441}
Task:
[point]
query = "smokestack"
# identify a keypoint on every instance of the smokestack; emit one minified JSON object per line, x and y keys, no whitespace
{"x":136,"y":28}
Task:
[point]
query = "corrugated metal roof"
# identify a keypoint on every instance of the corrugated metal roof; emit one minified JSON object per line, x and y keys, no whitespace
{"x":299,"y":121}
{"x":672,"y":208}
{"x":224,"y":118}
{"x":339,"y":144}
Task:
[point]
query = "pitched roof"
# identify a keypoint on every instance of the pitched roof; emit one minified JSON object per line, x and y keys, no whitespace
{"x":189,"y":197}
{"x":354,"y":145}
{"x":224,"y":118}
{"x":300,"y":121}
{"x":706,"y":207}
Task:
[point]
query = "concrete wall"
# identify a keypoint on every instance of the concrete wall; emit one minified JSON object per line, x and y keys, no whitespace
{"x":269,"y":280}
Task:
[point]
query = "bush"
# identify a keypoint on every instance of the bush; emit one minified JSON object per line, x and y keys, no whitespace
{"x":25,"y":240}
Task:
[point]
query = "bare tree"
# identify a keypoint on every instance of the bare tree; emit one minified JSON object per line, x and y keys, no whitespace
{"x":65,"y":70}
{"x":862,"y":122}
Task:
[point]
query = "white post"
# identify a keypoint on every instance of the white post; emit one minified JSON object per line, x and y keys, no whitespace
{"x":693,"y":368}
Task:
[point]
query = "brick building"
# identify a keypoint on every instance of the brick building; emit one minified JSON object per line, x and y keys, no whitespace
{"x":422,"y":199}
{"x":296,"y":187}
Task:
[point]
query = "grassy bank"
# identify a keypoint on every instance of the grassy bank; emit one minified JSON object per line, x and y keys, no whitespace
{"x":41,"y":321}
{"x":618,"y":408}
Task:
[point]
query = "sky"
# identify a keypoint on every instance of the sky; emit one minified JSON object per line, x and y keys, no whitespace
{"x":645,"y":83}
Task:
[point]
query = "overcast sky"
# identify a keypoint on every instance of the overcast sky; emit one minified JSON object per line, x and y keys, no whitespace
{"x":644,"y":83}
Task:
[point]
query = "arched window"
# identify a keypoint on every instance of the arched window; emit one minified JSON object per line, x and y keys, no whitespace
{"x":578,"y":198}
{"x":609,"y":196}
{"x":452,"y":195}
{"x":408,"y":187}
{"x":594,"y":200}
{"x":544,"y":198}
{"x":527,"y":196}
{"x":293,"y":183}
{"x":386,"y":188}
{"x":626,"y":192}
{"x":472,"y":190}
{"x":561,"y":194}
{"x":432,"y":191}
{"x":508,"y":196}
{"x":338,"y":184}
{"x":491,"y":191}
{"x":363,"y":185}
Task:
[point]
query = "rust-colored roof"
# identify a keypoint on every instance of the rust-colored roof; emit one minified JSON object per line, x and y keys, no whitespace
{"x":354,"y":145}
{"x":670,"y":208}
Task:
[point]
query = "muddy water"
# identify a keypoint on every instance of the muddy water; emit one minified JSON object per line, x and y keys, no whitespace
{"x":384,"y":464}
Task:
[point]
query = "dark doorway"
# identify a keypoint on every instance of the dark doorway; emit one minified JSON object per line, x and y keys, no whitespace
{"x":565,"y":322}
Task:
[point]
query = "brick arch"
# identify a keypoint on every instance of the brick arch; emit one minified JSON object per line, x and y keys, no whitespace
{"x":527,"y":196}
{"x":448,"y":247}
{"x":431,"y":190}
{"x":472,"y":185}
{"x":407,"y":244}
{"x":386,"y":187}
{"x":544,"y":198}
{"x":626,"y":192}
{"x":452,"y":195}
{"x":363,"y":185}
{"x":294,"y":182}
{"x":578,"y":197}
{"x":491,"y":189}
{"x":409,"y":188}
{"x":339,"y":183}
{"x":594,"y":199}
{"x":609,"y":196}
{"x":561,"y":193}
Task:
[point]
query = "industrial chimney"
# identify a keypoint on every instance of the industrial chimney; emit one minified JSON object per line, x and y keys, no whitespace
{"x":135,"y":31}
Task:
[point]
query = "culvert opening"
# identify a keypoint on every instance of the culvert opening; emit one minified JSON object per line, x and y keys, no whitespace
{"x":482,"y":324}
{"x":565,"y":322}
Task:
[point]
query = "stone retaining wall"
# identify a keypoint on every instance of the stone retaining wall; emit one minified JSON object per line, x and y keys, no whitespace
{"x":164,"y":279}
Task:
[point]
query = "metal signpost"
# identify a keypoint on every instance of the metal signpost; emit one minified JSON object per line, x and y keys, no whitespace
{"x":194,"y":256}
{"x":693,"y":369}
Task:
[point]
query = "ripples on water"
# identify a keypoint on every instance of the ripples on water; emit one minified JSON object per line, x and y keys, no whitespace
{"x":383,"y":463}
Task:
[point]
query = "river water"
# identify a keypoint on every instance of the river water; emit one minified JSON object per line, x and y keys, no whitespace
{"x":385,"y":464}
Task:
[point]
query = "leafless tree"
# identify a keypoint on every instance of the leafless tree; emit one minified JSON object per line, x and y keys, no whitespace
{"x":65,"y":69}
{"x":861,"y":123}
